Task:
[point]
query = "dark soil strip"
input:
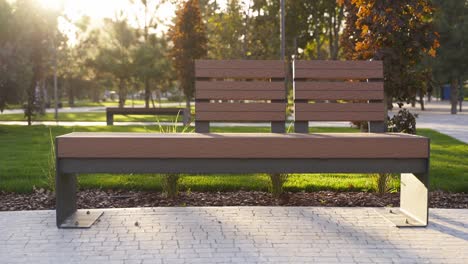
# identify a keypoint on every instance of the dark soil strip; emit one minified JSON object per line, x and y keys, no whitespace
{"x":42,"y":199}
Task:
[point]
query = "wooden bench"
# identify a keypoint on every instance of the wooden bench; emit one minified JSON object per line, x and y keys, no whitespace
{"x":181,"y":112}
{"x":354,"y":91}
{"x":247,"y":91}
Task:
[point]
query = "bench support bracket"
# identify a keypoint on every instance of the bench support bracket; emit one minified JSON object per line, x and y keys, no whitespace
{"x":67,"y":214}
{"x":414,"y":203}
{"x":81,"y":219}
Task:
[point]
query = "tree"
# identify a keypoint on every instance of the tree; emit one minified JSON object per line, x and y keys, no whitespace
{"x":451,"y":65}
{"x":148,"y":55}
{"x":35,"y":33}
{"x":73,"y":58}
{"x":314,"y":27}
{"x":398,"y":32}
{"x":6,"y":16}
{"x":225,"y":31}
{"x":115,"y":54}
{"x":189,"y":40}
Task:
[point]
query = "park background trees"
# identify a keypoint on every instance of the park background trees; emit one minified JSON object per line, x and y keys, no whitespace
{"x":136,"y":52}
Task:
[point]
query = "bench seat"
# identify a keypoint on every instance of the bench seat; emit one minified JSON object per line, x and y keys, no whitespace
{"x":242,"y":145}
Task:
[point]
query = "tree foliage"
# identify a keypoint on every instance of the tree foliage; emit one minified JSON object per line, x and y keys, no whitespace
{"x":398,"y":32}
{"x":451,"y":66}
{"x":314,"y":27}
{"x":28,"y":36}
{"x":189,"y":40}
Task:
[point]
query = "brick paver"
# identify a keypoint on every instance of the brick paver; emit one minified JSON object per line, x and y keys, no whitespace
{"x":234,"y":235}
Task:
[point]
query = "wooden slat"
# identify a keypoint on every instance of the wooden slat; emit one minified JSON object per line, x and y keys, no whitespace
{"x":339,"y":116}
{"x":337,"y":107}
{"x":239,"y":86}
{"x":241,"y":116}
{"x":240,"y":107}
{"x":239,"y":64}
{"x":338,"y":74}
{"x":243,"y":146}
{"x":240,"y":95}
{"x":339,"y":86}
{"x":239,"y":69}
{"x":240,"y":73}
{"x":339,"y":95}
{"x":334,"y":64}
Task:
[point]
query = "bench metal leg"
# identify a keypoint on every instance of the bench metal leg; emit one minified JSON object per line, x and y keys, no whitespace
{"x":202,"y":127}
{"x":110,"y":119}
{"x":67,"y":214}
{"x":278,"y":127}
{"x":186,"y":117}
{"x":301,"y":127}
{"x":414,"y":202}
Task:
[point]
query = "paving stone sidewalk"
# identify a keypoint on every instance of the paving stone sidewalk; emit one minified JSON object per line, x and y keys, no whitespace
{"x":235,"y":235}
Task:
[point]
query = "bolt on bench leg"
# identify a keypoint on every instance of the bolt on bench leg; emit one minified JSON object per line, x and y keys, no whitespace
{"x":414,"y":202}
{"x":67,"y":214}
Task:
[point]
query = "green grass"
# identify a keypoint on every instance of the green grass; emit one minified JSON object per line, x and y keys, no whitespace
{"x":88,"y":103}
{"x":89,"y":117}
{"x":24,"y":154}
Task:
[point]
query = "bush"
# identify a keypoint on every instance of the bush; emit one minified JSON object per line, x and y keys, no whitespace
{"x":403,"y":121}
{"x":170,"y":186}
{"x":276,"y":184}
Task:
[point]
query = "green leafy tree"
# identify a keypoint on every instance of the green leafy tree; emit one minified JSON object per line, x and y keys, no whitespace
{"x":115,"y":54}
{"x":226,"y":31}
{"x":73,"y":59}
{"x":314,"y":27}
{"x":36,"y":31}
{"x":263,"y":35}
{"x":6,"y":48}
{"x":149,"y":57}
{"x":189,"y":40}
{"x":451,"y":64}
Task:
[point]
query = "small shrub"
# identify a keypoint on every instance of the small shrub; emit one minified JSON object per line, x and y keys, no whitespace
{"x":382,"y":181}
{"x":170,"y":181}
{"x":170,"y":186}
{"x":50,"y":170}
{"x":276,"y":184}
{"x":403,"y":121}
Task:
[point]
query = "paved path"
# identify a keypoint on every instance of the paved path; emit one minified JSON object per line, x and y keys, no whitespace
{"x":437,"y":116}
{"x":234,"y":235}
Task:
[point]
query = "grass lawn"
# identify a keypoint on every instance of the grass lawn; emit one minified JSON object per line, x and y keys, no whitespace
{"x":25,"y":153}
{"x":88,"y":103}
{"x":90,"y":117}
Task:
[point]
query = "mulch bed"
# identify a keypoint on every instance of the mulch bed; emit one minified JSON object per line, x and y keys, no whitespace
{"x":42,"y":199}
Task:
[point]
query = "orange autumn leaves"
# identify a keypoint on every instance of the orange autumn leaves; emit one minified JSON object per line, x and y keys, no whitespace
{"x":402,"y":24}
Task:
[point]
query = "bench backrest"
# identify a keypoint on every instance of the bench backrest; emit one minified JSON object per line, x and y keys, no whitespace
{"x":338,"y":91}
{"x":240,"y":91}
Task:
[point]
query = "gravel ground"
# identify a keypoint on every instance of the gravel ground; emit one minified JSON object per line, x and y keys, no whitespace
{"x":43,"y":200}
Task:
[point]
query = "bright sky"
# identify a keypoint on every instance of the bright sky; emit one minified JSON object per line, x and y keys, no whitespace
{"x":100,"y":9}
{"x":97,"y":10}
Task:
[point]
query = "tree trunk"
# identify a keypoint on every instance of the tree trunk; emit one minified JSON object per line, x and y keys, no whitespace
{"x":187,"y":103}
{"x":421,"y":101}
{"x":122,"y":93}
{"x":71,"y":94}
{"x":461,"y":95}
{"x":147,"y":92}
{"x":454,"y":96}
